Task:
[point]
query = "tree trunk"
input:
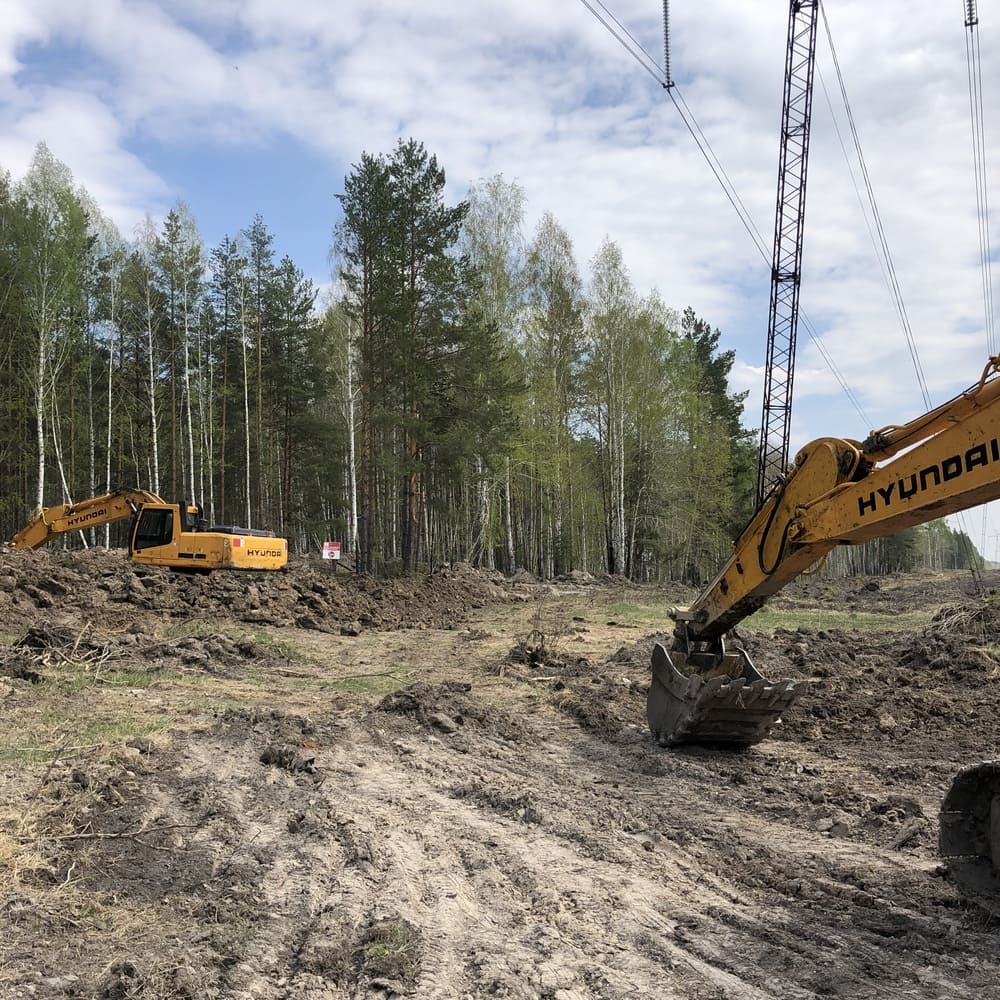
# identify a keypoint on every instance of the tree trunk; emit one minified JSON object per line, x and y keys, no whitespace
{"x":352,"y":472}
{"x":154,"y":422}
{"x":246,"y":409}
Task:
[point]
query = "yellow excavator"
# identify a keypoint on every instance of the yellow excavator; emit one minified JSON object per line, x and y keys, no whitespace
{"x":175,"y":535}
{"x":837,"y":492}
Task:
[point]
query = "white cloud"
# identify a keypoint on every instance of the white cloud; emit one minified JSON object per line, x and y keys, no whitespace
{"x":21,"y":25}
{"x":542,"y":93}
{"x":82,"y":132}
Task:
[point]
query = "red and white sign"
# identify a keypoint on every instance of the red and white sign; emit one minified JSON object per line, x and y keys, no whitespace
{"x":331,"y":550}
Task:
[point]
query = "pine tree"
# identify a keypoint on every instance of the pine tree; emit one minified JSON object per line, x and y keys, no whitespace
{"x":362,"y":243}
{"x":403,"y":288}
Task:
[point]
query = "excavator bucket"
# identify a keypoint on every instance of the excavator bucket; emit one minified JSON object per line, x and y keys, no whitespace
{"x":714,"y":697}
{"x":970,"y":832}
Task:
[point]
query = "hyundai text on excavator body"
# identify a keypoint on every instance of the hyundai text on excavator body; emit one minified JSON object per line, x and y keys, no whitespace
{"x":162,"y":534}
{"x":837,"y":492}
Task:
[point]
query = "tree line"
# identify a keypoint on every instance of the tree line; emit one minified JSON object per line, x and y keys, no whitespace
{"x":468,"y":393}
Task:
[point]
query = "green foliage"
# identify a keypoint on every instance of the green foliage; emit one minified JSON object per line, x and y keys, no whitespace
{"x":928,"y":546}
{"x":468,"y":396}
{"x":405,"y":293}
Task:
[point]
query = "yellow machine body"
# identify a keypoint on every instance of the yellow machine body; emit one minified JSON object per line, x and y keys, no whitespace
{"x":162,"y":534}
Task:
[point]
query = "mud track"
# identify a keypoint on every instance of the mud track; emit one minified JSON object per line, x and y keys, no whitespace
{"x":473,"y":808}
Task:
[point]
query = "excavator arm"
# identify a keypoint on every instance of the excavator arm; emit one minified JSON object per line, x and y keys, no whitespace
{"x":844,"y":492}
{"x":51,"y":521}
{"x":838,"y":492}
{"x":174,"y":535}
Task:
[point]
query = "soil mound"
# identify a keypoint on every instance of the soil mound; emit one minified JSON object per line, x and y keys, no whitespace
{"x":102,"y":585}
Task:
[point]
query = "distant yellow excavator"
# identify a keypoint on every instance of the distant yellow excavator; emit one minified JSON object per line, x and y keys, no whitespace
{"x":838,"y":492}
{"x":174,"y":535}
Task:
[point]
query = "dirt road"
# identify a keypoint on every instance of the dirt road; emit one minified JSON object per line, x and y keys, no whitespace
{"x":197,"y":803}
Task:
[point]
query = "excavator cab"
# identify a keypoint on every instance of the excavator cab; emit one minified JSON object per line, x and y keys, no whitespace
{"x":153,"y":527}
{"x":178,"y":536}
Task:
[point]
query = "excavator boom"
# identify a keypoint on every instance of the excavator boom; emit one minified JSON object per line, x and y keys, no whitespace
{"x":838,"y":492}
{"x":118,"y":505}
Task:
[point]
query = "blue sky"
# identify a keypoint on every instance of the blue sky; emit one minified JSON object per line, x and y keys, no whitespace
{"x":239,"y":107}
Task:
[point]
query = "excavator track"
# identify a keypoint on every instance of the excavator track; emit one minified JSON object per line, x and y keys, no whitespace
{"x":970,"y":833}
{"x":713,"y":697}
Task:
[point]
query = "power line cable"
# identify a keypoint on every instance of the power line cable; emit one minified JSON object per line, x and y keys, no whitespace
{"x":897,"y":292}
{"x":635,"y":42}
{"x":973,"y":58}
{"x":650,"y":65}
{"x":975,"y":77}
{"x":643,"y":58}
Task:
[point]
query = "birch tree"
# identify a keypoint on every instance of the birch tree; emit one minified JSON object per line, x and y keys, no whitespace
{"x":52,"y":244}
{"x":493,"y":242}
{"x":113,"y":254}
{"x":609,"y":334}
{"x":148,"y":316}
{"x":552,"y":348}
{"x":180,"y":258}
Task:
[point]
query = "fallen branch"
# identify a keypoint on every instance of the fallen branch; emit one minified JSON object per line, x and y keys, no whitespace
{"x":124,"y":835}
{"x":48,"y":771}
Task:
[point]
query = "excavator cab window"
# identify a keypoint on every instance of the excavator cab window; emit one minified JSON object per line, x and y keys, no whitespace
{"x":155,"y":527}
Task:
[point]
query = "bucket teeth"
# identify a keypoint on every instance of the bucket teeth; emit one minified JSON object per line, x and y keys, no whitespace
{"x":735,"y":706}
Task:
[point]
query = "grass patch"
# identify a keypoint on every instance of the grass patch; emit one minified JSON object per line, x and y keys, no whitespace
{"x":72,"y":678}
{"x":629,"y":612}
{"x":634,"y":613}
{"x":133,"y":678}
{"x":769,"y":619}
{"x":120,"y":730}
{"x":391,"y":948}
{"x":26,"y":755}
{"x":196,"y":626}
{"x":369,"y":685}
{"x":391,"y":941}
{"x":280,"y":647}
{"x":85,"y":735}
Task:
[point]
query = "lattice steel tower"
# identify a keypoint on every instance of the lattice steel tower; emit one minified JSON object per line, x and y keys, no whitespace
{"x":786,"y":263}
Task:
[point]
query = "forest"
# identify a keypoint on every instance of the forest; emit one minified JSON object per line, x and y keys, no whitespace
{"x":466,"y":393}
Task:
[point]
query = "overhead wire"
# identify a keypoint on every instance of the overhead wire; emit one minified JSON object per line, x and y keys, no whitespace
{"x":973,"y":59}
{"x":974,"y":68}
{"x":890,"y":267}
{"x":628,"y":41}
{"x":878,"y":235}
{"x":624,"y":38}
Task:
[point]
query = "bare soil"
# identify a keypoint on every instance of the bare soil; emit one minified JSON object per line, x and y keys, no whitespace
{"x":301,"y":785}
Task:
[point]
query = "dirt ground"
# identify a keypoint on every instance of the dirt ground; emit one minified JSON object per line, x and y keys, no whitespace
{"x":301,"y":785}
